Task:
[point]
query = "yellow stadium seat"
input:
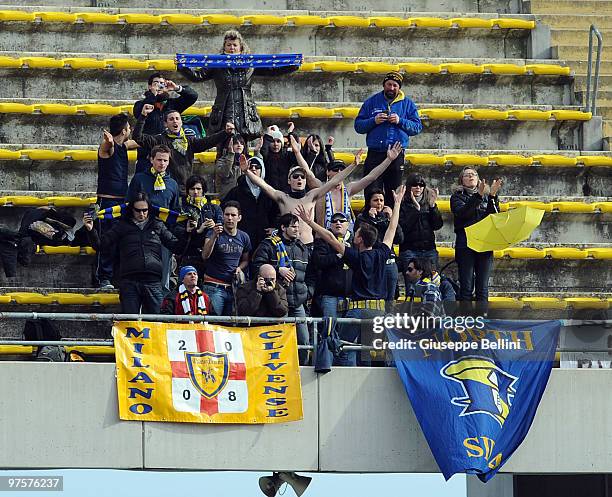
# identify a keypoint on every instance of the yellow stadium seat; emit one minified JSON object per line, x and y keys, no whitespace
{"x":127,"y":109}
{"x":524,"y":253}
{"x":504,"y":68}
{"x":84,"y":63}
{"x":9,"y":154}
{"x":92,"y":349}
{"x":377,"y":67}
{"x":548,"y":69}
{"x":16,"y":15}
{"x":444,"y":205}
{"x":71,"y":298}
{"x":86,"y":155}
{"x":132,"y":154}
{"x":221,"y":19}
{"x":508,"y":23}
{"x":544,"y":302}
{"x":105,"y":298}
{"x":307,"y":20}
{"x":442,"y":114}
{"x":140,"y":18}
{"x":600,"y":253}
{"x":62,"y":201}
{"x":206,"y":157}
{"x":345,"y":157}
{"x":430,"y":22}
{"x":30,"y":298}
{"x":88,"y":250}
{"x":181,"y":19}
{"x":129,"y":64}
{"x":336,"y":66}
{"x":466,"y":160}
{"x":57,"y":109}
{"x":312,"y":112}
{"x":16,"y":349}
{"x":571,"y":115}
{"x":603,"y":206}
{"x":43,"y":62}
{"x":357,"y":204}
{"x":273,"y":112}
{"x":10,"y":62}
{"x":349,"y":21}
{"x":66,"y":17}
{"x":61,"y":250}
{"x":587,"y":303}
{"x":555,"y":160}
{"x":566,"y":253}
{"x":308,"y":67}
{"x":97,"y":17}
{"x":264,"y":20}
{"x":578,"y":207}
{"x":594,"y":160}
{"x":22,"y":200}
{"x":99,"y":109}
{"x":544,"y":206}
{"x":419,"y":68}
{"x":15,"y":108}
{"x":390,"y":22}
{"x":43,"y":154}
{"x":461,"y":68}
{"x":505,"y":303}
{"x":425,"y":159}
{"x":472,"y":22}
{"x":510,"y":160}
{"x":347,"y":112}
{"x":487,"y":114}
{"x":446,"y":252}
{"x":530,"y":115}
{"x":5,"y":299}
{"x":199,"y":111}
{"x":162,"y":64}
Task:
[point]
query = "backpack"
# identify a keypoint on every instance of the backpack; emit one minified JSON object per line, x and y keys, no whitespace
{"x":43,"y":330}
{"x":193,"y":126}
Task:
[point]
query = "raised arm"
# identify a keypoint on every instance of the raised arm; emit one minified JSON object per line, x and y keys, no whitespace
{"x":265,"y":187}
{"x":107,"y":147}
{"x":142,"y":139}
{"x":390,"y":233}
{"x":361,"y":184}
{"x":335,"y":181}
{"x":319,"y":230}
{"x":311,"y":180}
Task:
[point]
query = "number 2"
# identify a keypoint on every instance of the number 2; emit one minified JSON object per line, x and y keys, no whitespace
{"x":182,"y":345}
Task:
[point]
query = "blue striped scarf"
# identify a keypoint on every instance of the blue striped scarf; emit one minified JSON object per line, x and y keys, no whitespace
{"x":237,"y":61}
{"x":281,"y":251}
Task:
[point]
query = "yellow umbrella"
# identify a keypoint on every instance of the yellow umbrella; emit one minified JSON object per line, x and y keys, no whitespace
{"x":500,"y":231}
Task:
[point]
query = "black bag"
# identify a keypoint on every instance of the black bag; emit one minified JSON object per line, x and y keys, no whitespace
{"x":36,"y":330}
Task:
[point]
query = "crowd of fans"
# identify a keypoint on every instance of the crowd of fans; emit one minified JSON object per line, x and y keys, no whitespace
{"x":282,"y":240}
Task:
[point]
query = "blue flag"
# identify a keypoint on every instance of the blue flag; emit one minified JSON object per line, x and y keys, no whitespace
{"x":237,"y":61}
{"x":476,"y":399}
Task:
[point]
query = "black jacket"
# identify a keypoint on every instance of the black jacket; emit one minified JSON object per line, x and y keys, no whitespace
{"x":333,"y":275}
{"x":297,"y":290}
{"x":419,"y":226}
{"x":139,"y":249}
{"x":381,"y":223}
{"x":257,"y":213}
{"x":234,"y":101}
{"x":277,"y":164}
{"x":250,"y":302}
{"x":154,"y":123}
{"x":468,"y":209}
{"x":181,"y":166}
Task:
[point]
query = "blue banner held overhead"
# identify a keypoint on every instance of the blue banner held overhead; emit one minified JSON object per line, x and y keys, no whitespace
{"x":475,"y":393}
{"x":237,"y":61}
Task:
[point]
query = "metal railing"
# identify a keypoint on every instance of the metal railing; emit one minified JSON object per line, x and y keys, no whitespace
{"x":588,"y":102}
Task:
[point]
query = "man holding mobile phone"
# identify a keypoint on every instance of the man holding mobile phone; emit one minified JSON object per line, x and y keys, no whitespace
{"x":262,"y":296}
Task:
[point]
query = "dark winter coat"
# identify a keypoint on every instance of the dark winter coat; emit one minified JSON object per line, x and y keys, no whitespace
{"x":234,"y":101}
{"x":333,"y":275}
{"x":468,"y":209}
{"x":250,"y":302}
{"x":381,"y":223}
{"x":419,"y":226}
{"x":277,"y":164}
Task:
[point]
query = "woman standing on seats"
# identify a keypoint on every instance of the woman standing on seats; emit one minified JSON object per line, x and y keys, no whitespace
{"x":471,"y":202}
{"x":234,"y":101}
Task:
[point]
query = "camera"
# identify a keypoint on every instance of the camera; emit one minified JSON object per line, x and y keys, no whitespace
{"x":269,"y":282}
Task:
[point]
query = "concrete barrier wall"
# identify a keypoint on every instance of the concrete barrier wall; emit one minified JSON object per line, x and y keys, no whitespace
{"x":355,"y":420}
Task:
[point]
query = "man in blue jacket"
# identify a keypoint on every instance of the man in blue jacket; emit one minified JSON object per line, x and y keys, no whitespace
{"x":387,"y":117}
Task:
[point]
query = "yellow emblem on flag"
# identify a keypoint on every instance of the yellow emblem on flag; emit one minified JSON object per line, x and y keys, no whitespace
{"x":202,"y":373}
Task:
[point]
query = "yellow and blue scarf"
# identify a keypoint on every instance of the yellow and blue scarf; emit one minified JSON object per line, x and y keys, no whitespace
{"x":345,"y":207}
{"x":159,"y":180}
{"x":281,"y":251}
{"x":162,"y":213}
{"x":179,"y":142}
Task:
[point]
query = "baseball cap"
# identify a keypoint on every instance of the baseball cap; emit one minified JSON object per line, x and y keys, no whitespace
{"x":296,"y":169}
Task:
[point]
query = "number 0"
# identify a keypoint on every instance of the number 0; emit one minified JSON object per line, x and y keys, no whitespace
{"x":228,"y":346}
{"x":186,"y":394}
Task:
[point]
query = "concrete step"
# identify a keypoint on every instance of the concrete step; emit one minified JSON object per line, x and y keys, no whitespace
{"x":579,"y":37}
{"x":580,"y":66}
{"x":578,"y":50}
{"x":309,"y":40}
{"x":601,"y":7}
{"x":499,"y":6}
{"x":81,"y":176}
{"x":317,"y":86}
{"x":507,"y":134}
{"x":582,"y":21}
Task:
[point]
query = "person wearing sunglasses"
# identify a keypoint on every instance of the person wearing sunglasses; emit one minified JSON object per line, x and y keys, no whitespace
{"x":419,"y":218}
{"x":472,"y":201}
{"x":139,"y":238}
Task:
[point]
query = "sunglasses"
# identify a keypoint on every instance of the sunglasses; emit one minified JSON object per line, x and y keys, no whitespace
{"x":337,"y":168}
{"x":339,"y":220}
{"x":422,"y":185}
{"x":298,"y":176}
{"x":254,"y":166}
{"x":470,"y":175}
{"x":140,"y":210}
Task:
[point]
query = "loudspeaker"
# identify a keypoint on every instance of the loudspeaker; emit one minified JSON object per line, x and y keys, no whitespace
{"x":269,"y":485}
{"x":298,"y":483}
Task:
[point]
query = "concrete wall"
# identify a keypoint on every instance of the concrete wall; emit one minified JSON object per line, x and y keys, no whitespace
{"x":356,"y":420}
